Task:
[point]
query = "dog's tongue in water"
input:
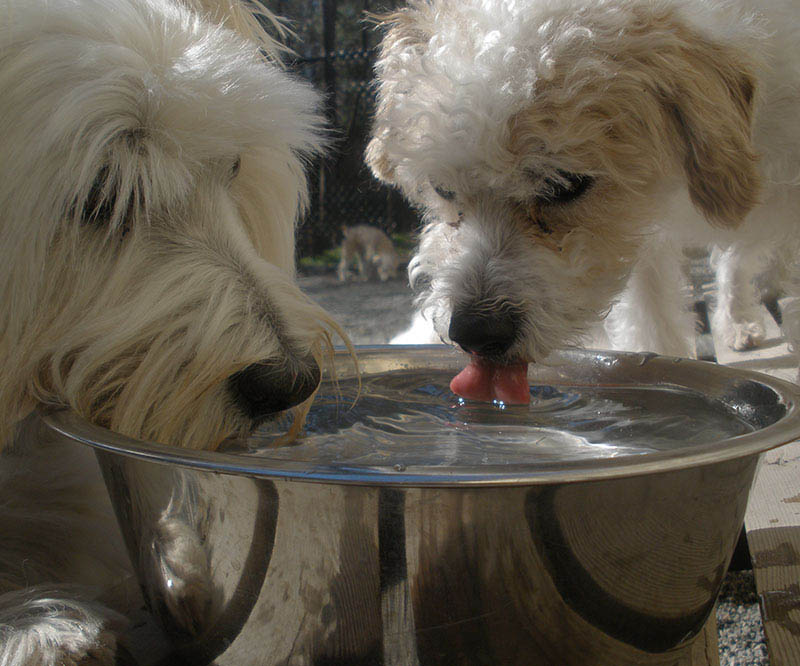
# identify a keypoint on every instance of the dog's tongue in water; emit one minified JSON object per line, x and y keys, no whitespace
{"x":487,"y":381}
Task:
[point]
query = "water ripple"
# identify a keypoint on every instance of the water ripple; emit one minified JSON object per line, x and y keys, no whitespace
{"x":411,"y":417}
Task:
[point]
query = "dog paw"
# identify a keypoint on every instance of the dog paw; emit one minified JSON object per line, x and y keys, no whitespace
{"x":102,"y":651}
{"x":746,"y":335}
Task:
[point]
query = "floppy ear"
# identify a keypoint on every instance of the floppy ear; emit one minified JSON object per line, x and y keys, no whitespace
{"x":378,"y":161}
{"x":711,"y":104}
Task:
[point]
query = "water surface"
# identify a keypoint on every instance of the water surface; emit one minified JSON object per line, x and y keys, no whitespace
{"x":410,"y":417}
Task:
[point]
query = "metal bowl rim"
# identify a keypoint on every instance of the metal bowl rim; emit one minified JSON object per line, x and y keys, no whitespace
{"x":783,"y":431}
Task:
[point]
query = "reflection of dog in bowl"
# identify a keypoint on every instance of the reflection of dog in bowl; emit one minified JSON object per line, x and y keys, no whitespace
{"x":373,"y":253}
{"x":559,"y":150}
{"x":151,"y":177}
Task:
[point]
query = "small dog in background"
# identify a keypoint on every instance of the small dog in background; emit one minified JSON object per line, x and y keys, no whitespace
{"x":565,"y":152}
{"x":152,"y":175}
{"x":373,"y":252}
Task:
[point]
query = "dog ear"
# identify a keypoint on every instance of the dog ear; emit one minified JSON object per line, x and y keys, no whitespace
{"x":378,"y":161}
{"x":710,"y":104}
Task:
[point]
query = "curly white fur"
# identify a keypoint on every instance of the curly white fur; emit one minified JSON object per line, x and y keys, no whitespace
{"x":152,"y":173}
{"x":679,"y":114}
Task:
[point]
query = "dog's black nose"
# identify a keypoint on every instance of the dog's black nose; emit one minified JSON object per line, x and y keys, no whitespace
{"x":482,"y":332}
{"x":265,"y":388}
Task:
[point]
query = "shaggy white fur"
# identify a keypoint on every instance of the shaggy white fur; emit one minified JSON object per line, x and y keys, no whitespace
{"x":563,"y":151}
{"x":152,"y":173}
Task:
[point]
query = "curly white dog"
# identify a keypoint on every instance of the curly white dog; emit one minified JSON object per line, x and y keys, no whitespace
{"x":152,"y":172}
{"x":563,"y":149}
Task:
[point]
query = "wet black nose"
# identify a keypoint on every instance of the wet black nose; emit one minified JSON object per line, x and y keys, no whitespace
{"x":488,"y":333}
{"x":265,"y":388}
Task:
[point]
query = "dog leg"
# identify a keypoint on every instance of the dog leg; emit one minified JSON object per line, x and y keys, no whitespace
{"x":738,"y":317}
{"x":420,"y":332}
{"x":363,"y":267}
{"x":652,"y":313}
{"x":344,"y":263}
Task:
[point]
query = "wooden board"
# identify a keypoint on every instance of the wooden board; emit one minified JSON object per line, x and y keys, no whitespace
{"x":773,"y":535}
{"x":705,"y":650}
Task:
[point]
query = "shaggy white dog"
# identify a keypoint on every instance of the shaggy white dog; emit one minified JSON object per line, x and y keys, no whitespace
{"x":563,"y":151}
{"x":151,"y":176}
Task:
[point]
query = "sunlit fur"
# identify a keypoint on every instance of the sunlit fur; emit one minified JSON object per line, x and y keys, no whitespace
{"x":137,"y":321}
{"x":152,"y":173}
{"x":681,"y":111}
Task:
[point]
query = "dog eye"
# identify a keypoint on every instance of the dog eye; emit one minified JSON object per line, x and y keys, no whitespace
{"x":237,"y":164}
{"x":447,"y":195}
{"x":99,"y":204}
{"x":565,"y":188}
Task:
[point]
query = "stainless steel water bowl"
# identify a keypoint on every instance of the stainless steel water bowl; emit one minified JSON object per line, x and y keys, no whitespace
{"x":250,"y":560}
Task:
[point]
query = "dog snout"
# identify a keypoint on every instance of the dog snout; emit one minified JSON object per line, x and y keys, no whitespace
{"x":265,"y":388}
{"x":483,"y":332}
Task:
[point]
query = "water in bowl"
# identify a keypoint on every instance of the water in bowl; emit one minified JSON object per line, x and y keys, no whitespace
{"x":410,"y":417}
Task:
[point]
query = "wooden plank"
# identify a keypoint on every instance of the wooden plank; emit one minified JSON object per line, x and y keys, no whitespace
{"x":773,"y":535}
{"x":705,"y":649}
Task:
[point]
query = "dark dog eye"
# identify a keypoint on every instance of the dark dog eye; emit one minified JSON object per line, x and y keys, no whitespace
{"x":237,"y":164}
{"x":447,"y":195}
{"x":99,"y":204}
{"x":565,"y":188}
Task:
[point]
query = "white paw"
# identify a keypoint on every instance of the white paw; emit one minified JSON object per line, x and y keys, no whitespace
{"x":48,"y":628}
{"x":101,"y":651}
{"x":746,"y":335}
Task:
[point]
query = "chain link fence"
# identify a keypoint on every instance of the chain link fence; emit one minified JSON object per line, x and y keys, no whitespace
{"x":335,"y":46}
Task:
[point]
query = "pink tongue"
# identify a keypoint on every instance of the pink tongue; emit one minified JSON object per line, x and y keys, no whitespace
{"x":485,"y":381}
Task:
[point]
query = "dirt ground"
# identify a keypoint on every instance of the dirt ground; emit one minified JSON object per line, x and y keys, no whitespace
{"x":369,"y":312}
